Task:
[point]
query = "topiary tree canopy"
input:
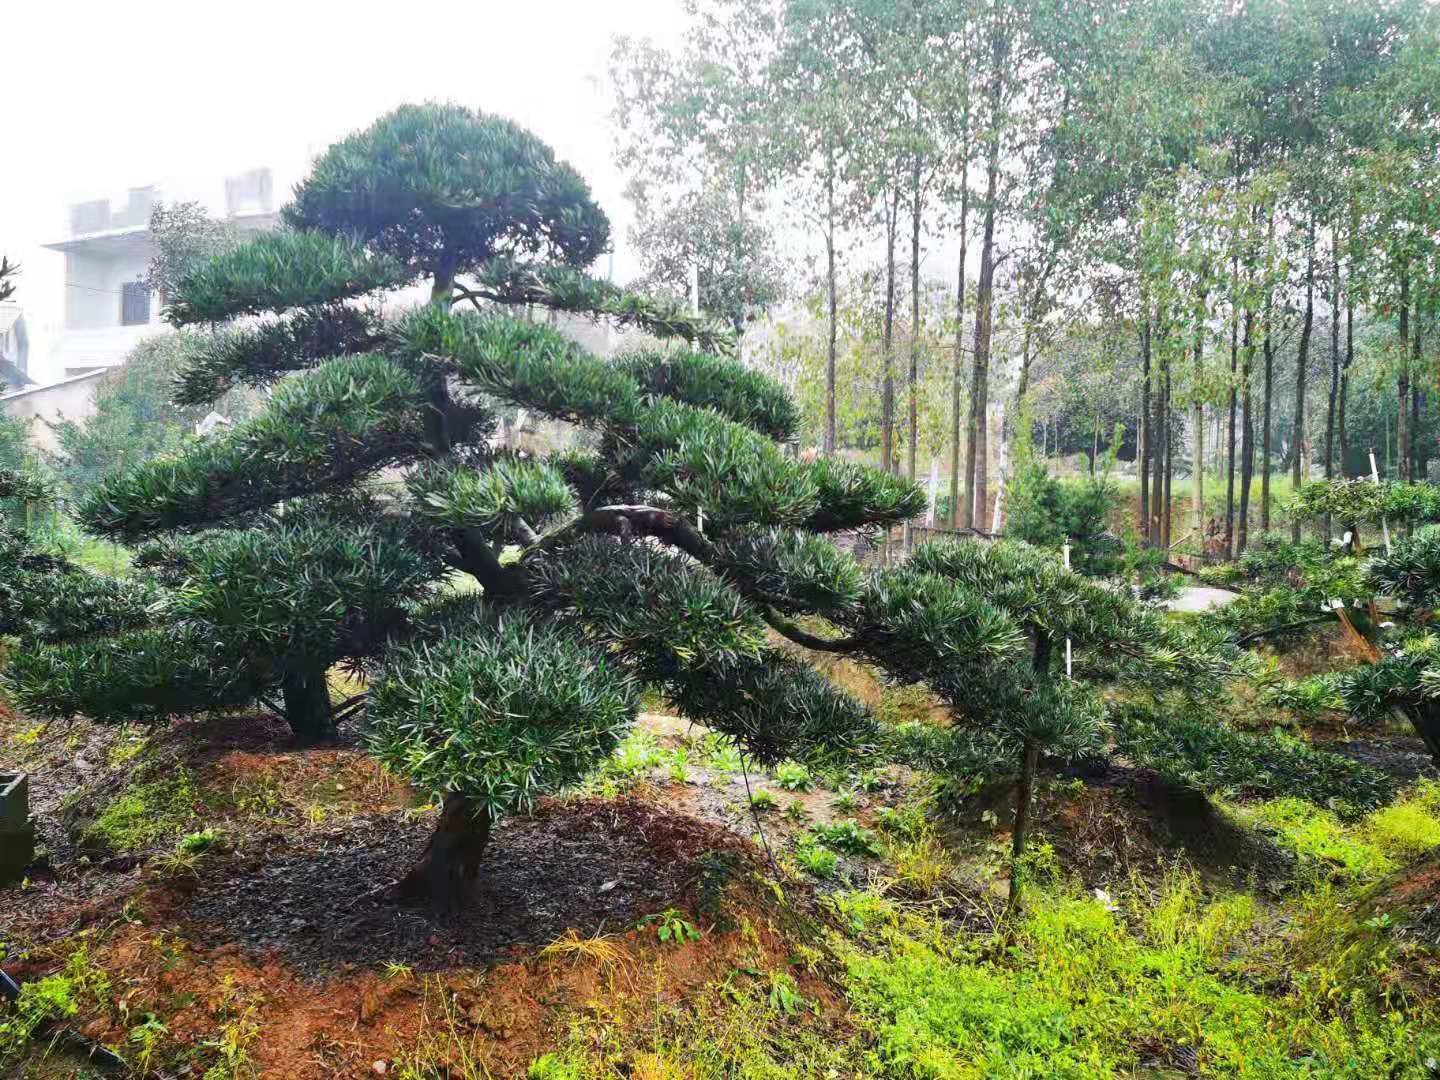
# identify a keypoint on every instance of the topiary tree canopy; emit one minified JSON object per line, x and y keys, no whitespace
{"x":506,"y":607}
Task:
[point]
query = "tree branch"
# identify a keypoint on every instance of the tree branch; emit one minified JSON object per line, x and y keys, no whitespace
{"x":1269,"y":630}
{"x":785,"y":628}
{"x":629,"y":521}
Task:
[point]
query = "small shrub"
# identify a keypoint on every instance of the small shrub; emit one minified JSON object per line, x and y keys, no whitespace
{"x":203,"y":840}
{"x":816,"y":860}
{"x":55,"y":997}
{"x":671,"y":927}
{"x":784,"y":997}
{"x":553,"y":1066}
{"x":848,"y":838}
{"x":792,"y":776}
{"x":763,"y":800}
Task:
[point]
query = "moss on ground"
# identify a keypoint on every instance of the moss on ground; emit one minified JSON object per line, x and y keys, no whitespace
{"x":146,"y":813}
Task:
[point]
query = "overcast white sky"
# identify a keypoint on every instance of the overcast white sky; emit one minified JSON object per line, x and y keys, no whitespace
{"x":99,"y":97}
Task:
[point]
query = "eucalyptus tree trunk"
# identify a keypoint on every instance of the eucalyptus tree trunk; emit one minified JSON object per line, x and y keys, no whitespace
{"x":1301,"y":363}
{"x":1247,"y":437}
{"x":1334,"y":364}
{"x":1417,"y":400}
{"x":1160,"y":434}
{"x":831,"y":289}
{"x":887,"y":419}
{"x":1230,"y":434}
{"x":1169,"y":475}
{"x":1402,"y":426}
{"x":1197,"y":414}
{"x":913,"y":375}
{"x":1269,"y":351}
{"x":1146,"y":430}
{"x":977,"y":434}
{"x":959,"y":489}
{"x":1345,"y":379}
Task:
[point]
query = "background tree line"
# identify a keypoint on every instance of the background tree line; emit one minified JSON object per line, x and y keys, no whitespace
{"x":1214,"y":226}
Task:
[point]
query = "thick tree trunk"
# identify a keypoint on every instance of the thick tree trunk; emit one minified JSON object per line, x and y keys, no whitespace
{"x":445,"y":875}
{"x":1426,"y":721}
{"x":959,"y":486}
{"x":1302,"y":358}
{"x":307,"y":705}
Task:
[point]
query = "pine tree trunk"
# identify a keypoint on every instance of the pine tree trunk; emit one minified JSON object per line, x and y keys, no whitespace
{"x":1302,"y":358}
{"x":307,"y":705}
{"x":445,"y":875}
{"x":959,"y":487}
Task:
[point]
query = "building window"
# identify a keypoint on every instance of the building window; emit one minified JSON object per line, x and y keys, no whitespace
{"x":134,"y":304}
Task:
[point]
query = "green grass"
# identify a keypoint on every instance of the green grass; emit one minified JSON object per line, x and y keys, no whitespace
{"x":1359,"y":851}
{"x":1080,"y":991}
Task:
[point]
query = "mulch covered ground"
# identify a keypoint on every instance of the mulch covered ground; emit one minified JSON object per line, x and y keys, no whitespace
{"x":322,"y":902}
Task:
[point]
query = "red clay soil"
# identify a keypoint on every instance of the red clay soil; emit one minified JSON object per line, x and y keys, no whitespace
{"x":289,"y":940}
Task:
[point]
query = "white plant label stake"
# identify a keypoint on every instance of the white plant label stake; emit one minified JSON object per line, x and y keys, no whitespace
{"x":1068,"y":656}
{"x":1375,"y":476}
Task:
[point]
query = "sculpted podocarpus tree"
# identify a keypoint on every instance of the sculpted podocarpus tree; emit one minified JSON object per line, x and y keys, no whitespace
{"x":286,"y":545}
{"x":332,"y":527}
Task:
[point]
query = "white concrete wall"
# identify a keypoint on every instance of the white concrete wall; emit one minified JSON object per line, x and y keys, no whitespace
{"x":73,"y":399}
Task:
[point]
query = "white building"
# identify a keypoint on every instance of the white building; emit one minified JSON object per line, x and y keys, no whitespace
{"x":108,"y":310}
{"x":14,"y":348}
